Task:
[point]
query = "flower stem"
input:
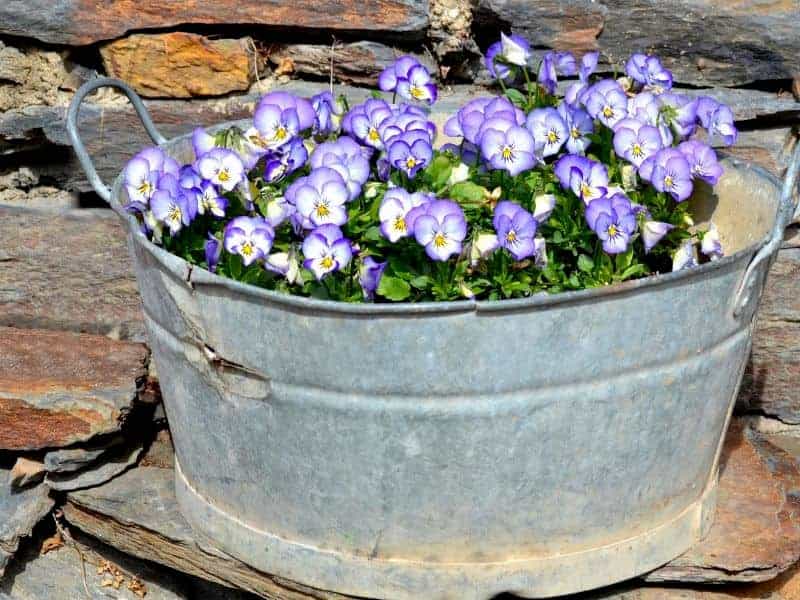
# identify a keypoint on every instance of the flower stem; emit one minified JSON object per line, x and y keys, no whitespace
{"x":528,"y":88}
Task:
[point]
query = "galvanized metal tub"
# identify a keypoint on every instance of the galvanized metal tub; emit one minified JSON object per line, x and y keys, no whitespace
{"x":403,"y":451}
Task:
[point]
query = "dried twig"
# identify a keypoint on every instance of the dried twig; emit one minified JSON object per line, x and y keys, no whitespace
{"x":67,"y":538}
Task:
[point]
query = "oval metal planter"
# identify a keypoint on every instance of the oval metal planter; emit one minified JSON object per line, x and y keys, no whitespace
{"x":541,"y":446}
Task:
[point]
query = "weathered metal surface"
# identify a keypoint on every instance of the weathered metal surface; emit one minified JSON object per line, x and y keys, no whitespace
{"x":20,"y":511}
{"x":756,"y":532}
{"x":58,"y":388}
{"x":401,"y":451}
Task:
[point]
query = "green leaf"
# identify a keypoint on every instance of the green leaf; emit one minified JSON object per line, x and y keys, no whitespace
{"x":421,"y":282}
{"x":393,"y":288}
{"x":439,"y":171}
{"x":467,"y":191}
{"x":585,"y":263}
{"x":516,"y":97}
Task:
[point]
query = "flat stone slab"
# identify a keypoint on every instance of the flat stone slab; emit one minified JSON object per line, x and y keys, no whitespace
{"x":755,"y":537}
{"x":756,"y":531}
{"x":60,"y":574}
{"x":20,"y":511}
{"x":113,"y":464}
{"x":69,"y":271}
{"x":58,"y":388}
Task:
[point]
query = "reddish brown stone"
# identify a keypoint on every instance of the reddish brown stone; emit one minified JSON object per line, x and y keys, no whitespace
{"x":756,"y":531}
{"x":181,"y":65}
{"x":69,"y":271}
{"x":87,"y":21}
{"x":58,"y":388}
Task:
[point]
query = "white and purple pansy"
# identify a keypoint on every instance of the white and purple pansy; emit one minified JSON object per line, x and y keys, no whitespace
{"x":636,"y":141}
{"x":369,"y":276}
{"x":344,"y":156}
{"x":588,"y":179}
{"x":410,"y":152}
{"x":394,"y":209}
{"x":516,"y":229}
{"x":439,"y":226}
{"x":549,"y":130}
{"x":613,"y":219}
{"x":507,"y":146}
{"x":668,"y":171}
{"x":702,"y":159}
{"x":326,"y":250}
{"x":222,"y":167}
{"x":319,"y":198}
{"x":249,"y":237}
{"x":606,"y":101}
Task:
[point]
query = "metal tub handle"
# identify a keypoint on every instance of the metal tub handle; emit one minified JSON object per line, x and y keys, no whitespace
{"x":77,"y":144}
{"x":750,"y":285}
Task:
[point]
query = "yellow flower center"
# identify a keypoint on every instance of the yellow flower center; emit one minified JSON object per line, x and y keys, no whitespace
{"x":439,"y":240}
{"x":145,"y":188}
{"x":400,"y":224}
{"x":507,"y":153}
{"x":637,"y":151}
{"x":417,"y":92}
{"x":323,"y":210}
{"x":411,"y":162}
{"x":586,"y":190}
{"x":608,"y":112}
{"x":552,"y":136}
{"x":373,"y":135}
{"x":257,"y":140}
{"x":247,"y":249}
{"x":612,"y":230}
{"x":281,"y":133}
{"x":668,"y":181}
{"x":174,"y":214}
{"x":511,"y":236}
{"x":327,"y":262}
{"x":575,"y":133}
{"x":223,"y":175}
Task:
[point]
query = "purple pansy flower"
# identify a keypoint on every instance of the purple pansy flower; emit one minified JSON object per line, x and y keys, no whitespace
{"x":406,"y":122}
{"x":613,"y":219}
{"x":586,"y":68}
{"x":552,"y":65}
{"x":170,"y":204}
{"x":468,"y":120}
{"x":344,"y":156}
{"x":394,"y":209}
{"x":549,"y":130}
{"x":668,"y":171}
{"x":586,"y":178}
{"x":409,"y":79}
{"x":515,"y":49}
{"x":363,"y":121}
{"x":679,"y":112}
{"x":509,"y":147}
{"x":685,"y":257}
{"x":710,"y":244}
{"x":606,"y":101}
{"x":222,"y":167}
{"x":440,"y":226}
{"x":213,"y":252}
{"x":579,"y":127}
{"x":328,"y":113}
{"x":646,"y":107}
{"x":649,"y":72}
{"x":497,"y":69}
{"x":702,"y":161}
{"x":717,"y":120}
{"x":516,"y":229}
{"x":653,"y":232}
{"x":210,"y":201}
{"x":319,"y":198}
{"x":636,"y":141}
{"x":280,"y":116}
{"x":285,"y":160}
{"x":369,"y":276}
{"x":142,"y":173}
{"x":410,"y":152}
{"x":249,"y":237}
{"x":326,"y":250}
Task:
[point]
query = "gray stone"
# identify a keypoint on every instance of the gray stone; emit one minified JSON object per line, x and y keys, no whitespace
{"x":25,"y":472}
{"x":20,"y":511}
{"x":115,"y":463}
{"x":68,"y":460}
